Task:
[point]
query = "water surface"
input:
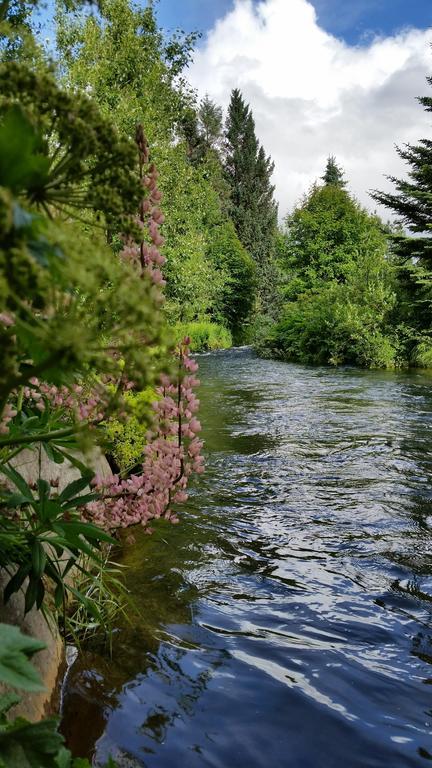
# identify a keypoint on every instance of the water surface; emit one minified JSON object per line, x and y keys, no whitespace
{"x":287,"y":621}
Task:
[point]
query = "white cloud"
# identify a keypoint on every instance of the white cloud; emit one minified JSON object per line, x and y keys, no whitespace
{"x":313,"y":95}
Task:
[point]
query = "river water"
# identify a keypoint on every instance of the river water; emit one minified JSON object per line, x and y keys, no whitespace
{"x":286,"y":623}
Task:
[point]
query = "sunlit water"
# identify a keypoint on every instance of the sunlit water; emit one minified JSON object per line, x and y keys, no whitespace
{"x":287,"y":621}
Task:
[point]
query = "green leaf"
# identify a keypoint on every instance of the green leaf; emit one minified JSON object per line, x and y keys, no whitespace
{"x":58,"y":596}
{"x":76,"y":486}
{"x":16,"y":582}
{"x":14,"y":499}
{"x":8,"y":700}
{"x":31,"y":593}
{"x":31,"y":745}
{"x":17,"y":479}
{"x":53,"y":453}
{"x":38,"y":558}
{"x":15,"y":651}
{"x":89,"y":605}
{"x":79,"y":501}
{"x":70,"y":457}
{"x":64,"y":759}
{"x":88,"y":530}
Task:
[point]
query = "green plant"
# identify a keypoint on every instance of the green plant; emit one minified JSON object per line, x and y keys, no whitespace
{"x":24,"y":744}
{"x":204,"y":335}
{"x":102,"y":584}
{"x":51,"y":539}
{"x":125,"y":440}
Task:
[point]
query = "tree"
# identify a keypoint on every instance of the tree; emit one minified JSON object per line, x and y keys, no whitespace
{"x":333,"y":174}
{"x":339,"y":285}
{"x":253,"y":209}
{"x":133,"y":74}
{"x":210,"y":122}
{"x":412,"y":203}
{"x":326,"y":235}
{"x":237,"y":298}
{"x":202,"y":129}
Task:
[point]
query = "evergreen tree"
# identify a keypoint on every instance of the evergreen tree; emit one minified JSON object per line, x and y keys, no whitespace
{"x":333,"y":174}
{"x":326,"y":235}
{"x":253,"y":208}
{"x":412,"y":202}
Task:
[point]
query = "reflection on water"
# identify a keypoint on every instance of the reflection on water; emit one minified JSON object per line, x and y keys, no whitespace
{"x":287,"y":621}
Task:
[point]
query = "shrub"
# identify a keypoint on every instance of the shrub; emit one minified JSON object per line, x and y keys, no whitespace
{"x":422,"y":354}
{"x":204,"y":335}
{"x":331,"y":328}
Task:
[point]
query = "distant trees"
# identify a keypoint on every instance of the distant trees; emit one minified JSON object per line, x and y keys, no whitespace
{"x":253,"y":208}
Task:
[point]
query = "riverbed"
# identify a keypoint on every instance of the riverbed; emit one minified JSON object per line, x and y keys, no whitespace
{"x":286,"y":622}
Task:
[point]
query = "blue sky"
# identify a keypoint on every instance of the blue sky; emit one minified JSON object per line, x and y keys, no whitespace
{"x":353,"y":20}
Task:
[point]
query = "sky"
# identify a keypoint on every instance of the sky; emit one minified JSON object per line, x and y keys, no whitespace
{"x":321,"y":76}
{"x":353,"y":20}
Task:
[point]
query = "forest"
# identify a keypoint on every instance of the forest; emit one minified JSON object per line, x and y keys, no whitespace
{"x":139,"y":229}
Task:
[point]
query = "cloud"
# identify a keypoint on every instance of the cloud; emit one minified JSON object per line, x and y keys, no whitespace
{"x":313,"y":95}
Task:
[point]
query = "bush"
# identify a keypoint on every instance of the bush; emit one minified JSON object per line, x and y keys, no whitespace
{"x":331,"y":328}
{"x":204,"y":335}
{"x":127,"y":438}
{"x":422,"y":354}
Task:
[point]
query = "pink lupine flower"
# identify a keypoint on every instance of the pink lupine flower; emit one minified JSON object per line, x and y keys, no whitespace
{"x":6,"y":319}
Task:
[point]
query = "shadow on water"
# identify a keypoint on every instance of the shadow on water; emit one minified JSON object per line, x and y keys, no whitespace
{"x":287,"y":620}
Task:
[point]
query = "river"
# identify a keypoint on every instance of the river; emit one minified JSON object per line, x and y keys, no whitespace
{"x":286,"y":622}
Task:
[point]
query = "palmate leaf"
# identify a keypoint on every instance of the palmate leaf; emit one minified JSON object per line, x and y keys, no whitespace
{"x":30,"y":745}
{"x":15,"y":651}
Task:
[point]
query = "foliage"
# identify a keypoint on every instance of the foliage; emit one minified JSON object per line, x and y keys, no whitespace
{"x":325,"y":237}
{"x":341,"y":324}
{"x":58,"y":150}
{"x":253,"y":209}
{"x":333,"y":174}
{"x":133,"y":73}
{"x":52,"y":538}
{"x":204,"y":335}
{"x":54,"y":298}
{"x":104,"y":587}
{"x":24,"y":744}
{"x":340,"y":287}
{"x":237,"y":299}
{"x":202,"y":130}
{"x":80,"y":322}
{"x":123,"y":60}
{"x":195,"y":284}
{"x":126,"y":439}
{"x":411,"y":241}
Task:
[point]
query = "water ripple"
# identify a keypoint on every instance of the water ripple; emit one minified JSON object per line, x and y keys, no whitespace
{"x":288,"y":620}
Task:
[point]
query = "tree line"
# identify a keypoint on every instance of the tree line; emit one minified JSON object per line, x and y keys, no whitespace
{"x":330,"y":284}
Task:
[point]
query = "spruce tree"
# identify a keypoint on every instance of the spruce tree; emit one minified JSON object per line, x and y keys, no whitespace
{"x":333,"y":174}
{"x":248,"y":171}
{"x":412,"y":203}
